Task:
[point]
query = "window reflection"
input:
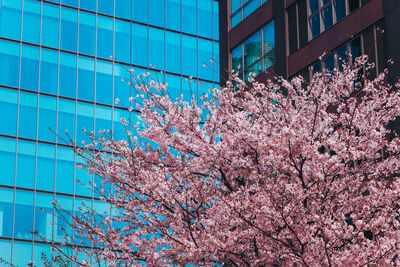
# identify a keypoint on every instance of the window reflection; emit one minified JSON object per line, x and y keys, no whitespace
{"x":173,"y":52}
{"x":156,"y":13}
{"x":9,"y":63}
{"x":189,"y":55}
{"x":104,"y":82}
{"x":173,"y":14}
{"x":48,"y":71}
{"x":10,"y":19}
{"x":45,"y":167}
{"x":27,"y":115}
{"x":139,"y":44}
{"x":65,"y":170}
{"x":259,"y":52}
{"x":87,"y":33}
{"x":8,"y":105}
{"x":30,"y":67}
{"x":66,"y":118}
{"x":31,"y":23}
{"x":122,"y":41}
{"x":205,"y":26}
{"x":47,"y":118}
{"x":23,"y":223}
{"x":189,"y":16}
{"x":156,"y":46}
{"x":26,"y":157}
{"x":86,"y":76}
{"x":67,"y":76}
{"x":7,"y":159}
{"x":104,"y":37}
{"x":50,"y":21}
{"x":69,"y":29}
{"x":123,"y":9}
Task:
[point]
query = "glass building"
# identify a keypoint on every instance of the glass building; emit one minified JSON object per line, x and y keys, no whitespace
{"x":62,"y":65}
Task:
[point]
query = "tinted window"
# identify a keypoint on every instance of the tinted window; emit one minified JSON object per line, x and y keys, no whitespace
{"x":69,"y":29}
{"x":26,"y":157}
{"x":31,"y":24}
{"x":50,"y":22}
{"x":30,"y":67}
{"x":9,"y":63}
{"x":10,"y":19}
{"x":87,"y":33}
{"x":67,"y":82}
{"x":173,"y":52}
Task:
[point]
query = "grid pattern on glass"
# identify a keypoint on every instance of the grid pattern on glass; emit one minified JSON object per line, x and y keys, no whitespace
{"x":241,"y":9}
{"x":368,"y":42}
{"x":256,"y":53}
{"x":57,"y":73}
{"x":307,"y":19}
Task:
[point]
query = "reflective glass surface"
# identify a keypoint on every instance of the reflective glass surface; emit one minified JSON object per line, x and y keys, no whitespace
{"x":73,"y":61}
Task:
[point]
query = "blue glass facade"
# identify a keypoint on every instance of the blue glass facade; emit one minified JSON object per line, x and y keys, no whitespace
{"x":61,"y":67}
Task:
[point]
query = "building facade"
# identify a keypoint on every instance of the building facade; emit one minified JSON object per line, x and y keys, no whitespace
{"x":62,"y":65}
{"x":303,"y":31}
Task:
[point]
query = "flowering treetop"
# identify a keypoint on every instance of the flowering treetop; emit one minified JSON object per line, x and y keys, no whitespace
{"x":281,"y":172}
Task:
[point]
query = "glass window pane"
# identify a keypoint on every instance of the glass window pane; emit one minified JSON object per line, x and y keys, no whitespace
{"x":26,"y":164}
{"x":48,"y":71}
{"x":86,"y":76}
{"x":69,"y":29}
{"x":22,"y":253}
{"x":189,"y":55}
{"x":250,"y":8}
{"x":88,"y":5}
{"x":123,"y":9}
{"x":9,"y":63}
{"x":156,"y":13}
{"x":47,"y":118}
{"x":253,"y":70}
{"x":139,"y":10}
{"x":355,"y":48}
{"x":10,"y":19}
{"x":118,"y":129}
{"x":342,"y":57}
{"x":205,"y":57}
{"x":174,"y":86}
{"x":27,"y":115}
{"x":73,"y":3}
{"x":106,"y":6}
{"x":44,"y":218}
{"x":269,"y":37}
{"x":121,"y":86}
{"x":30,"y":68}
{"x":340,"y":9}
{"x":353,"y":5}
{"x":84,"y":179}
{"x":173,"y":14}
{"x":66,"y":118}
{"x":216,"y":63}
{"x":329,"y":62}
{"x":65,"y":170}
{"x":215,"y":20}
{"x":87,"y":33}
{"x":313,"y":5}
{"x":122,"y":41}
{"x":7,"y":159}
{"x":156,"y":46}
{"x":139,"y":44}
{"x":252,"y":49}
{"x":237,"y":57}
{"x":189,"y":16}
{"x":327,"y":17}
{"x":40,"y":249}
{"x":104,"y":82}
{"x":5,"y":249}
{"x":85,"y":115}
{"x":23,"y":222}
{"x":236,"y":19}
{"x":104,"y":37}
{"x":235,"y":5}
{"x":8,"y":105}
{"x":189,"y":89}
{"x":50,"y":21}
{"x":46,"y":155}
{"x":173,"y":52}
{"x":63,"y":225}
{"x":205,"y":15}
{"x":103,"y":118}
{"x":67,"y":82}
{"x":315,"y":26}
{"x":369,"y":50}
{"x":269,"y":60}
{"x":31,"y":24}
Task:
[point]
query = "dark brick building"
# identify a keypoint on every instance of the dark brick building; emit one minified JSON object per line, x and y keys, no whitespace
{"x":287,"y":37}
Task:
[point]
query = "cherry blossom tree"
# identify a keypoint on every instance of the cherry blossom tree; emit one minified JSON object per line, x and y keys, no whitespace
{"x":282,"y":173}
